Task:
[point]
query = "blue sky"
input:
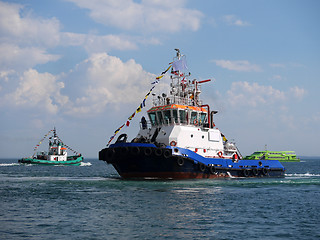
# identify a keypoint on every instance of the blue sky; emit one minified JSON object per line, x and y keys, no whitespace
{"x":84,"y":66}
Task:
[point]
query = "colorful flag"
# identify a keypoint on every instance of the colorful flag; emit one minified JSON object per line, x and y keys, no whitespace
{"x":143,"y":104}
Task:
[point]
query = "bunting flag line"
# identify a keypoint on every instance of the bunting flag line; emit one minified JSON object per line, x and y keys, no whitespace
{"x":142,"y":104}
{"x":65,"y":145}
{"x":36,"y":147}
{"x":40,"y":142}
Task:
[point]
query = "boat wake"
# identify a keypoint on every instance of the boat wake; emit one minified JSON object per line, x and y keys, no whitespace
{"x":8,"y":164}
{"x":302,"y":175}
{"x":85,"y":164}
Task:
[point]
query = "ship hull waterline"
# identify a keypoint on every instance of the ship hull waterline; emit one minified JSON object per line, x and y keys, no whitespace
{"x":145,"y":162}
{"x":76,"y":161}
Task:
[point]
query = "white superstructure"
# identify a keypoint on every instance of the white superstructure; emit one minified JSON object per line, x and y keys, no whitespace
{"x":56,"y":151}
{"x":180,"y":119}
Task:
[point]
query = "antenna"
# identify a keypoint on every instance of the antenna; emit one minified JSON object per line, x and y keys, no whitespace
{"x":178,"y":53}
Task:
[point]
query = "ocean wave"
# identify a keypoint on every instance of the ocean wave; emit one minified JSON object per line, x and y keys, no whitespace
{"x":302,"y":175}
{"x":85,"y":164}
{"x":8,"y":164}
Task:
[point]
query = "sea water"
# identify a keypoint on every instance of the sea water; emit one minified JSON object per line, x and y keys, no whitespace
{"x":91,"y":202}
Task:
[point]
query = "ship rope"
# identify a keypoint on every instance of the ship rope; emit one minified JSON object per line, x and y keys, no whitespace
{"x":142,"y":105}
{"x":65,"y":145}
{"x":45,"y":136}
{"x":37,"y":146}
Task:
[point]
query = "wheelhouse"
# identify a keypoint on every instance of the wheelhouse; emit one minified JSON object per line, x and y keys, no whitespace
{"x":175,"y":114}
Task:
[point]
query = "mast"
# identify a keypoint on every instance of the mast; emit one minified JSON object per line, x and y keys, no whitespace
{"x":178,"y":53}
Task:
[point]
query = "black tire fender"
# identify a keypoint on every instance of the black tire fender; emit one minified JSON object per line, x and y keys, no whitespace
{"x":110,"y":153}
{"x":180,"y":161}
{"x":264,"y":171}
{"x":147,"y":151}
{"x":245,"y":172}
{"x":135,"y":150}
{"x":202,"y":167}
{"x":167,"y":153}
{"x":212,"y":169}
{"x":158,"y":152}
{"x":255,"y":172}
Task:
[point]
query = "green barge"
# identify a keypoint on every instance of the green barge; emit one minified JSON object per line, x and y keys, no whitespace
{"x":281,"y":156}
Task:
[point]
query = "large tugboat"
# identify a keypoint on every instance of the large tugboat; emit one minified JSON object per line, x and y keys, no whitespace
{"x":56,"y":155}
{"x":181,"y":141}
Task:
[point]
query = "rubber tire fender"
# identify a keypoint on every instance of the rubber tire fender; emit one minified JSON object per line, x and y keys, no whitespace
{"x":212,"y":169}
{"x":158,"y":152}
{"x":167,"y":153}
{"x":202,"y":167}
{"x":135,"y":150}
{"x":147,"y":151}
{"x":255,"y":172}
{"x":180,"y":161}
{"x":264,"y":171}
{"x":110,"y":153}
{"x":245,"y":172}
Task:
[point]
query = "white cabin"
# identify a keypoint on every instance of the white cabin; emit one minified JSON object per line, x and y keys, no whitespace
{"x":56,"y":152}
{"x":180,"y":119}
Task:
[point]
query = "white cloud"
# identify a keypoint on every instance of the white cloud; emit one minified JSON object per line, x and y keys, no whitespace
{"x":95,"y":43}
{"x":235,"y":21}
{"x":37,"y":90}
{"x":108,"y":80}
{"x":297,"y":92}
{"x":25,"y":40}
{"x":277,"y":65}
{"x":246,"y":94}
{"x":253,"y":95}
{"x":241,"y":66}
{"x":5,"y":75}
{"x":26,"y":30}
{"x":277,"y":78}
{"x":98,"y":82}
{"x":17,"y":58}
{"x":150,"y":16}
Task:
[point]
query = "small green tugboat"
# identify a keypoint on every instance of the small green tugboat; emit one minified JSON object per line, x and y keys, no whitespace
{"x":56,"y":155}
{"x":281,"y":156}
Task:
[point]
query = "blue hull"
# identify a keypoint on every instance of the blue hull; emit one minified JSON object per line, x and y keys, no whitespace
{"x":143,"y":161}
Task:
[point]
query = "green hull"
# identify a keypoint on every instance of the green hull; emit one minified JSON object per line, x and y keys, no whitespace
{"x":72,"y":160}
{"x":281,"y":156}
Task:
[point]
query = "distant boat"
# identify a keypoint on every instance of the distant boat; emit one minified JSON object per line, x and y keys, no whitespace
{"x":56,"y":155}
{"x":281,"y":156}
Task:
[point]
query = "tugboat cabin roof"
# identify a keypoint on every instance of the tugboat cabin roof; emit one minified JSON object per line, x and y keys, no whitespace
{"x":173,"y":106}
{"x":177,"y":114}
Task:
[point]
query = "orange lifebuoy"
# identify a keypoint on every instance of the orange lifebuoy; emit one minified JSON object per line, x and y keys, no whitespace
{"x":173,"y":143}
{"x":195,"y":122}
{"x":220,"y":154}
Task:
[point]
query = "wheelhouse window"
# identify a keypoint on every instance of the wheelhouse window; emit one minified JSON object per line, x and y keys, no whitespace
{"x":167,"y":116}
{"x":153,"y":119}
{"x":193,"y":118}
{"x":182,"y":115}
{"x":160,"y":118}
{"x":203,"y":117}
{"x":175,"y":115}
